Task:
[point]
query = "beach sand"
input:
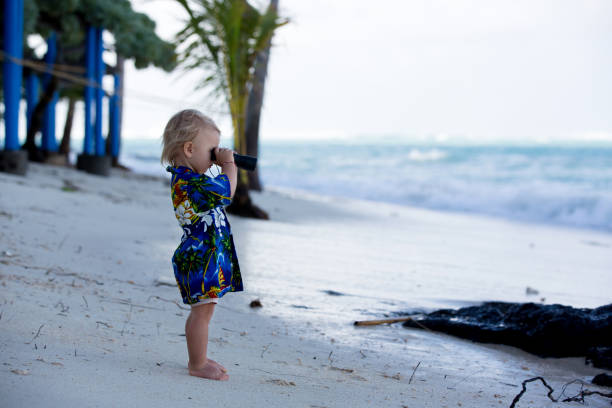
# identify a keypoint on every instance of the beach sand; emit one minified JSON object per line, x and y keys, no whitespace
{"x":84,"y":323}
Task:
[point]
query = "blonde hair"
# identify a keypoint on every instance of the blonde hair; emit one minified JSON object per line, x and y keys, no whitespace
{"x":183,"y":127}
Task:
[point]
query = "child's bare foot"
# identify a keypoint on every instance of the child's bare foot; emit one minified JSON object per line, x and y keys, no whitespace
{"x":209,"y":371}
{"x":213,"y":362}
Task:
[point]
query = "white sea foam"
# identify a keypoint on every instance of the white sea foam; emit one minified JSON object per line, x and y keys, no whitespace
{"x":558,"y":185}
{"x":426,"y":155}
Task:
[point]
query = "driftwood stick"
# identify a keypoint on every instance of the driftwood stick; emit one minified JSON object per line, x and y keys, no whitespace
{"x":265,"y":349}
{"x":37,"y":333}
{"x":414,"y":371}
{"x":586,"y":393}
{"x":169,"y":301}
{"x":381,"y":321}
{"x":576,"y":398}
{"x":583,"y":392}
{"x":392,"y":320}
{"x":524,"y":384}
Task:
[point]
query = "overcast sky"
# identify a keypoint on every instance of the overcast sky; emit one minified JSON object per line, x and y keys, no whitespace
{"x":482,"y":70}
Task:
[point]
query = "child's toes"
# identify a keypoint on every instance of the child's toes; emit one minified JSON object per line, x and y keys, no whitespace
{"x":213,"y":362}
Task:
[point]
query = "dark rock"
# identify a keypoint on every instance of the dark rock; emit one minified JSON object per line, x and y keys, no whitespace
{"x":602,"y":379}
{"x":545,"y":330}
{"x":600,"y":356}
{"x":256,"y":303}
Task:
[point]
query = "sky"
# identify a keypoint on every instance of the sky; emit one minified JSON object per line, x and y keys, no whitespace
{"x":426,"y":70}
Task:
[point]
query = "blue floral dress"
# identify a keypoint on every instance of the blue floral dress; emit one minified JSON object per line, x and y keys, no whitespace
{"x":205,"y":263}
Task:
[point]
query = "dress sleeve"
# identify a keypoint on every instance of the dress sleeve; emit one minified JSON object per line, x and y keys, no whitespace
{"x":206,"y":192}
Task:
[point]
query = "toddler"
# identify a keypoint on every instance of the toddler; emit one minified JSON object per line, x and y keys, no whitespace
{"x":205,"y":263}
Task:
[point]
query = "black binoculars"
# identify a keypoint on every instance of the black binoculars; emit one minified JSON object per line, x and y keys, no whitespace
{"x":243,"y":161}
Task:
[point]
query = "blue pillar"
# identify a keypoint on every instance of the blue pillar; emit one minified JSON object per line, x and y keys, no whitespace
{"x":49,"y":142}
{"x":99,"y":141}
{"x":13,"y":47}
{"x":114,"y":117}
{"x":93,"y":159}
{"x":32,"y":88}
{"x":90,"y":52}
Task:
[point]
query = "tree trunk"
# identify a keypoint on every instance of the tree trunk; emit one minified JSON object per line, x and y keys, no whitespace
{"x":34,"y":153}
{"x":254,"y":106}
{"x":241,"y":202}
{"x":243,"y":206}
{"x":65,"y":145}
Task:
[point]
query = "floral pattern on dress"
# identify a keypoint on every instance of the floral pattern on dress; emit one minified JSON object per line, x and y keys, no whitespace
{"x":205,"y":262}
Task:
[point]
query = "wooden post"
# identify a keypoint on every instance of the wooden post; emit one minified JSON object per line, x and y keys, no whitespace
{"x":49,"y":142}
{"x":114,"y":112}
{"x":32,"y":91}
{"x":12,"y":159}
{"x":93,"y":159}
{"x":99,"y":93}
{"x":90,"y":52}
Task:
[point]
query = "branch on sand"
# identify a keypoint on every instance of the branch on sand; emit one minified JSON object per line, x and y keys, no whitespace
{"x":577,"y":398}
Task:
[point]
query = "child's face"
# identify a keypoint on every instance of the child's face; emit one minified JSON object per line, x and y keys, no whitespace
{"x":198,"y":151}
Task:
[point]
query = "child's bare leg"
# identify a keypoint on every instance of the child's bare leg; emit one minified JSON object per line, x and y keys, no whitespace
{"x":213,"y":362}
{"x":196,"y":333}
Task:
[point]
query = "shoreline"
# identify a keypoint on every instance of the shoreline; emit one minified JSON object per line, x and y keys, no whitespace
{"x":84,"y":323}
{"x":552,"y":186}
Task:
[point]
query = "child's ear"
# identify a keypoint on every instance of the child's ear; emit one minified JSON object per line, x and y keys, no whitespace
{"x":188,"y":149}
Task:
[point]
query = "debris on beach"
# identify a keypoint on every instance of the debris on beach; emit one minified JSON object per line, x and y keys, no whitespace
{"x":344,"y":370}
{"x":165,"y":281}
{"x":255,"y":303}
{"x":278,"y":381}
{"x":69,"y":186}
{"x":579,"y":397}
{"x":531,"y":291}
{"x":381,"y":321}
{"x":397,"y":376}
{"x":6,"y":214}
{"x":545,"y":330}
{"x":333,"y":293}
{"x":53,"y":363}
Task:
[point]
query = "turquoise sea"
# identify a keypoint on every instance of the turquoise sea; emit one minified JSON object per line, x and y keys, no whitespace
{"x":568,"y":184}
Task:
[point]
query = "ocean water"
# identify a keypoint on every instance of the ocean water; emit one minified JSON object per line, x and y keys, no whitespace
{"x":568,"y":185}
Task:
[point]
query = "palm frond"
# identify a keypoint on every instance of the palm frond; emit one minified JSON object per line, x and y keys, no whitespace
{"x":224,"y":37}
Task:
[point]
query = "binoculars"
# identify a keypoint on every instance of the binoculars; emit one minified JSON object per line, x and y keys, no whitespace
{"x":243,"y":161}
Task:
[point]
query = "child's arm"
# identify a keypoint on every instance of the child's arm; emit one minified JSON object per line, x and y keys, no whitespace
{"x":225,"y":159}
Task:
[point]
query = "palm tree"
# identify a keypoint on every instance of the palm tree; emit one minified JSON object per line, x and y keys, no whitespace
{"x":254,"y":106}
{"x":225,"y":37}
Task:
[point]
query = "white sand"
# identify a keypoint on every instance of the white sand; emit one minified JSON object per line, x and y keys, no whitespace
{"x":82,"y":322}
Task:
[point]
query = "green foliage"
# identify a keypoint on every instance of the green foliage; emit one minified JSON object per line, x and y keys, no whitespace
{"x":224,"y":37}
{"x":134,"y":33}
{"x":30,"y":12}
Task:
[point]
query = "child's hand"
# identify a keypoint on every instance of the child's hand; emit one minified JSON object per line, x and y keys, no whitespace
{"x":223,"y":155}
{"x":225,"y":159}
